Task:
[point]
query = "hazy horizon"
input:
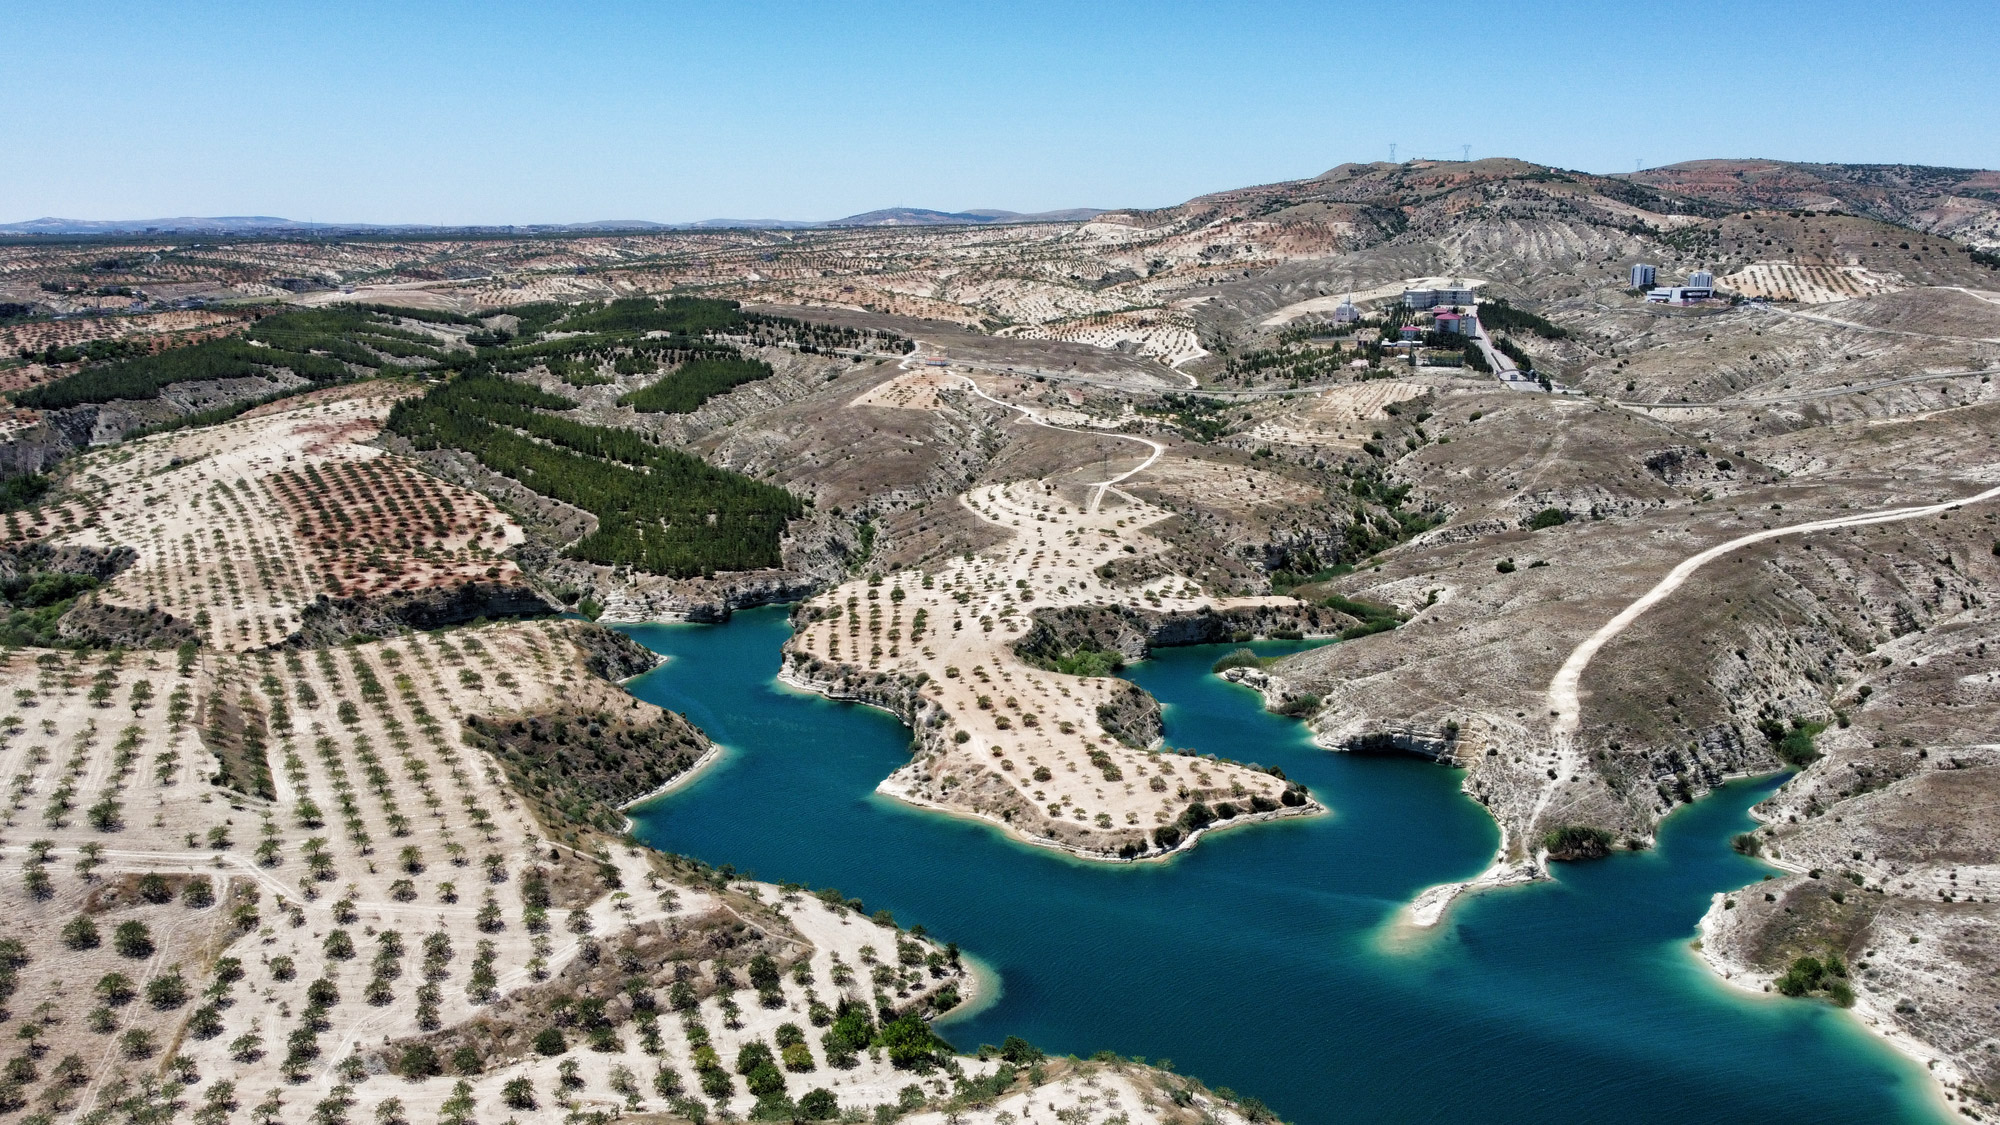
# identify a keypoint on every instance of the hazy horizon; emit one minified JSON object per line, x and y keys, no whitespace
{"x":510,"y":114}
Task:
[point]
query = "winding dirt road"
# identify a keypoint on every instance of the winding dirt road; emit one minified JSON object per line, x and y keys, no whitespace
{"x":1101,"y":487}
{"x":1565,"y":705}
{"x":1806,"y":396}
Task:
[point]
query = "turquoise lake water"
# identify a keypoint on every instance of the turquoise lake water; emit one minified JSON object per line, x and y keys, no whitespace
{"x":1268,"y":959}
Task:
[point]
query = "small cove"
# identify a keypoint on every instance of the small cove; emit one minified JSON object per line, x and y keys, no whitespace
{"x":1268,"y":959}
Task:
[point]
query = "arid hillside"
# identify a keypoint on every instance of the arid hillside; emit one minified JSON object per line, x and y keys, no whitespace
{"x":307,"y":514}
{"x":296,"y":831}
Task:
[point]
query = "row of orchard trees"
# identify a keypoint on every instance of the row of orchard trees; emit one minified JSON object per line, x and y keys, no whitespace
{"x":658,"y":509}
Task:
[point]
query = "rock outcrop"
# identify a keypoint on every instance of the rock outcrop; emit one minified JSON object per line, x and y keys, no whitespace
{"x":332,"y":620}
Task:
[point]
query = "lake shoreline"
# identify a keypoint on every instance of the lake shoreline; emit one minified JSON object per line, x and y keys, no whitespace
{"x":1140,"y":958}
{"x":904,"y":793}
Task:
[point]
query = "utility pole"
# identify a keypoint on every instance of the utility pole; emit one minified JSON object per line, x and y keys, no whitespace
{"x":1465,"y":153}
{"x":1392,"y":153}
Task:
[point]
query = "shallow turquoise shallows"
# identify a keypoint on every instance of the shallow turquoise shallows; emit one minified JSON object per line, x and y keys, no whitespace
{"x":1269,"y":959}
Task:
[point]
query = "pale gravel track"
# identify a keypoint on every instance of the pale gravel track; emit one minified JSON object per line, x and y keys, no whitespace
{"x":1563,"y":697}
{"x":1565,"y":704}
{"x":1101,"y":487}
{"x":1836,"y":322}
{"x":1806,"y":396}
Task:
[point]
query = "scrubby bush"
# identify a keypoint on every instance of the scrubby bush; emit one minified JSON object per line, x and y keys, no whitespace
{"x":132,"y":939}
{"x":1241,"y":658}
{"x":1827,"y":975}
{"x":912,"y":1045}
{"x":81,"y":933}
{"x":115,"y":989}
{"x":1792,"y":744}
{"x":418,"y":1060}
{"x":166,"y":991}
{"x":818,"y":1105}
{"x":1577,"y":841}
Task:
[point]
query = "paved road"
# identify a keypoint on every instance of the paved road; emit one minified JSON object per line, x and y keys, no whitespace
{"x":1504,"y":368}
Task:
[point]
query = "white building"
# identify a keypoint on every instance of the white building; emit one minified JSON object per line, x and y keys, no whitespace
{"x":1456,"y":324}
{"x":1679,"y":295}
{"x":1432,"y":298}
{"x":1644,"y":276}
{"x":1346,"y":313}
{"x":1701,"y":279}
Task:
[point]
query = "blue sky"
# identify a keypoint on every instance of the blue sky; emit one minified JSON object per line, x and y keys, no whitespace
{"x":512,"y":112}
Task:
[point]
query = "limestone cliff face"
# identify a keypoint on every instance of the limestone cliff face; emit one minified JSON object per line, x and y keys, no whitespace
{"x":1132,"y":633}
{"x":99,"y":563}
{"x":332,"y":620}
{"x":40,"y":446}
{"x":93,"y":621}
{"x":817,"y":552}
{"x":1133,"y":718}
{"x":60,"y":433}
{"x":639,"y":597}
{"x":612,"y":655}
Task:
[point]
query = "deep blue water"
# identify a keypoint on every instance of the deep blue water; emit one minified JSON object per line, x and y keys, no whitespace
{"x":1268,"y":959}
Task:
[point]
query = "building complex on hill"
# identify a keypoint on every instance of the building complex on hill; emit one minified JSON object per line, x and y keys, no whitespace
{"x":1700,"y":287}
{"x":1432,"y":298}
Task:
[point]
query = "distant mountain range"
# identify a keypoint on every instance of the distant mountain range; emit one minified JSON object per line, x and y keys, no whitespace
{"x":1959,"y":203}
{"x":268,"y":224}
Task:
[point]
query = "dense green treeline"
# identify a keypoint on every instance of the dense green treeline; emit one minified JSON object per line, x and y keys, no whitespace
{"x":812,"y":337}
{"x":23,"y":491}
{"x":633,"y":336}
{"x":33,"y":601}
{"x":578,"y":360}
{"x":93,"y":351}
{"x":347,"y":331}
{"x":142,"y":378}
{"x":507,"y":403}
{"x":658,"y":509}
{"x":322,"y":345}
{"x":1499,"y":314}
{"x":1515,"y":352}
{"x":1299,"y":364}
{"x":536,"y":317}
{"x":1198,"y":418}
{"x":684,"y":389}
{"x":683,"y":316}
{"x":428,"y":316}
